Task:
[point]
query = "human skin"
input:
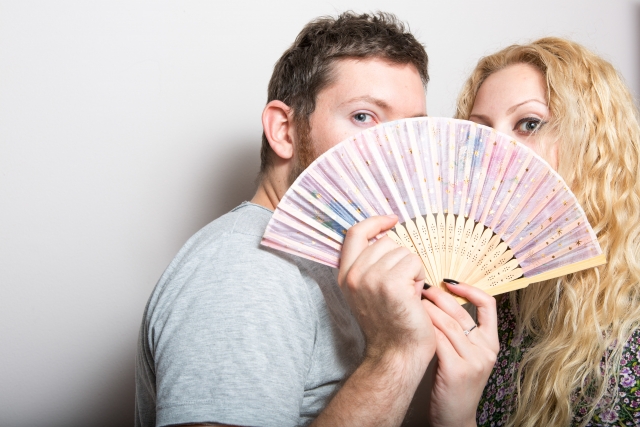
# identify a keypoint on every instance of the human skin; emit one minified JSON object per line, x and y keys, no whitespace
{"x":382,"y":282}
{"x":364,"y":93}
{"x":513,"y":101}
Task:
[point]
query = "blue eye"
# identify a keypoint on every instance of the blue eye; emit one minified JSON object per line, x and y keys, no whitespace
{"x":529,"y":125}
{"x":362,"y":117}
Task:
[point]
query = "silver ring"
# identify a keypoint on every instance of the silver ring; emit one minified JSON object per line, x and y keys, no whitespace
{"x":468,"y":331}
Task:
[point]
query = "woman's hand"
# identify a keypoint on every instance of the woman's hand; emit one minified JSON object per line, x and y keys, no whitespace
{"x":465,"y":360}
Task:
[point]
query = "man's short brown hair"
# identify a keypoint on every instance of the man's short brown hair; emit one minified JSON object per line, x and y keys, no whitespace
{"x":306,"y":67}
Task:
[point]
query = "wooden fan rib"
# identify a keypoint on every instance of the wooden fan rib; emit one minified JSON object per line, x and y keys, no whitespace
{"x":506,"y":273}
{"x":462,"y":181}
{"x":485,"y":243}
{"x":465,"y":246}
{"x":453,"y":165}
{"x":415,"y":237}
{"x":469,"y":248}
{"x":498,"y":257}
{"x":431,"y":266}
{"x":432,"y":228}
{"x":547,"y":275}
{"x":457,"y":243}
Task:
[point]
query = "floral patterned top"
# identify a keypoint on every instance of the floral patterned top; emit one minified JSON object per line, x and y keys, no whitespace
{"x":499,"y":396}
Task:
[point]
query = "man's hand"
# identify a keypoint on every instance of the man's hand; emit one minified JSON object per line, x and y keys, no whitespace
{"x":382,"y":283}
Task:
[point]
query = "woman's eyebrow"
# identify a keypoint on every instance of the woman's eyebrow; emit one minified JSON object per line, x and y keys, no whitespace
{"x":479,"y":116}
{"x":512,"y":109}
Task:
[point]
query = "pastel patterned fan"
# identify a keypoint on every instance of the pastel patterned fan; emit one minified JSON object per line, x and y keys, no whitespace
{"x":474,"y":204}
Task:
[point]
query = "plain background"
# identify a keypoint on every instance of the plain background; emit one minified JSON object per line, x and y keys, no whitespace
{"x":127,"y":126}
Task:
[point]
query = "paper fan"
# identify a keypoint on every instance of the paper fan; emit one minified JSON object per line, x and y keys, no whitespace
{"x":474,"y":204}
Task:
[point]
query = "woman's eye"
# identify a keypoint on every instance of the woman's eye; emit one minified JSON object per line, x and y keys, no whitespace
{"x":362,"y":117}
{"x":529,"y":125}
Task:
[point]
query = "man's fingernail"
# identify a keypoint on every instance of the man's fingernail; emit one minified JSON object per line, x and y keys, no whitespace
{"x":450,"y":281}
{"x":426,"y":286}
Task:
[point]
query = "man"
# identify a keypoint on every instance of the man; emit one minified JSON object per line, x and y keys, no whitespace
{"x":238,"y":334}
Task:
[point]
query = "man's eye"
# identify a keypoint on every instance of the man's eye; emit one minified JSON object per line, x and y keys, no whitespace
{"x":529,"y":125}
{"x":362,"y":117}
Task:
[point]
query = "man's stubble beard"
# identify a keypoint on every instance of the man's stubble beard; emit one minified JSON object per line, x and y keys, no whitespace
{"x":304,"y":153}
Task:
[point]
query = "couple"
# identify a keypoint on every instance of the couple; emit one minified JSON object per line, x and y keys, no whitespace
{"x":238,"y":334}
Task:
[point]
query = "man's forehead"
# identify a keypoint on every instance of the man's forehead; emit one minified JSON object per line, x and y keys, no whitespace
{"x":375,"y":81}
{"x":340,"y":67}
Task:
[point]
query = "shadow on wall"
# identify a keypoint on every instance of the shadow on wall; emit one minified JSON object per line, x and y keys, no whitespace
{"x":114,"y":403}
{"x":226,"y":181}
{"x":232,"y":179}
{"x":101,"y":403}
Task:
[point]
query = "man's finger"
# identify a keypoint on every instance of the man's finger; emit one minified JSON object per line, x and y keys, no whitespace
{"x":358,"y":236}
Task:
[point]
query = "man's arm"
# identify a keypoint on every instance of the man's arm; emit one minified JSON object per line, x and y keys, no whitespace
{"x":382,"y":284}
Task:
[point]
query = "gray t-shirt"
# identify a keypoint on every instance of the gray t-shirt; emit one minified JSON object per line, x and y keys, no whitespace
{"x":237,"y":333}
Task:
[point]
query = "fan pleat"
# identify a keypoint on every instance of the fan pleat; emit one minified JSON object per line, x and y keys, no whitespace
{"x":475,"y":205}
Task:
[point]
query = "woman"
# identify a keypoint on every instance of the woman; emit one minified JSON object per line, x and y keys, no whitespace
{"x":569,"y":348}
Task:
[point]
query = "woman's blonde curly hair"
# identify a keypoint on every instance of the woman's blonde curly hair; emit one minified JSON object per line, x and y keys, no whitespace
{"x":580,"y":318}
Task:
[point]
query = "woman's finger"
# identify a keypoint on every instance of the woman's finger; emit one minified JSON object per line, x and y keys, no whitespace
{"x":451,"y":329}
{"x":449,"y":305}
{"x":447,"y":355}
{"x":486,"y":309}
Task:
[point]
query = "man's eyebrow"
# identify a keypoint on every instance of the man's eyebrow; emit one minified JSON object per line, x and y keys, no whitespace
{"x":379,"y":102}
{"x":512,"y":109}
{"x":366,"y":98}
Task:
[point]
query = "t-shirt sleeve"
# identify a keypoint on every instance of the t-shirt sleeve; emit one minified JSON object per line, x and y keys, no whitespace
{"x":232,"y":338}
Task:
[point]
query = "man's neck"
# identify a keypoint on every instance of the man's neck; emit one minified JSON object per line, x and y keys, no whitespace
{"x":270,"y":190}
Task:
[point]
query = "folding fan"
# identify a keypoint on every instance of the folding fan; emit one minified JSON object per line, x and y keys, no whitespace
{"x":474,"y":204}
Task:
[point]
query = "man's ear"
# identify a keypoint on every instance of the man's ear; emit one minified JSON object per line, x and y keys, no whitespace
{"x":278,"y":128}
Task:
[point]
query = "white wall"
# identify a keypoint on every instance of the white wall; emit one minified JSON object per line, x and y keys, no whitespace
{"x":127,"y":126}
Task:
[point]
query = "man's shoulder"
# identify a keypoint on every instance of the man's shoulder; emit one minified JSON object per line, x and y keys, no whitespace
{"x":239,"y":230}
{"x":226,"y":256}
{"x":248,"y":219}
